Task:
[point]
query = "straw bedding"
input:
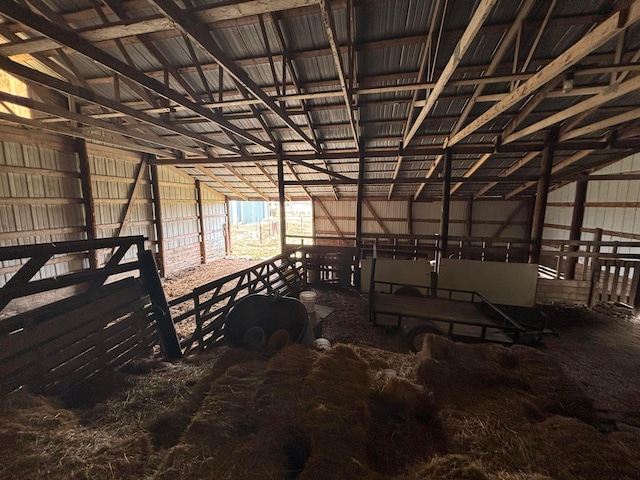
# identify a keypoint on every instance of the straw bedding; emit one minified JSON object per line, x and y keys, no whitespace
{"x":452,"y":411}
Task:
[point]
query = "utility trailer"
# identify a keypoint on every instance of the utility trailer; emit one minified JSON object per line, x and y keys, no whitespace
{"x":460,"y":314}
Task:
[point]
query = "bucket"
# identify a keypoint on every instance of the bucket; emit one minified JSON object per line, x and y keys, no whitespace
{"x":308,"y":299}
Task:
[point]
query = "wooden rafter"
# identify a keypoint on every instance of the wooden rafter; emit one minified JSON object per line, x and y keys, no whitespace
{"x":604,"y":32}
{"x":84,"y":94}
{"x":329,"y":25}
{"x":270,"y":178}
{"x":72,"y":40}
{"x":426,"y":57}
{"x":479,"y":16}
{"x":76,"y":132}
{"x":200,"y":33}
{"x":586,"y":105}
{"x":246,"y":182}
{"x":216,"y":178}
{"x":101,"y":124}
{"x":555,"y":169}
{"x":497,"y":58}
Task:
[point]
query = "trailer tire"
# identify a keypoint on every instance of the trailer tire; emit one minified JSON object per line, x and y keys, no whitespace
{"x":416,"y":335}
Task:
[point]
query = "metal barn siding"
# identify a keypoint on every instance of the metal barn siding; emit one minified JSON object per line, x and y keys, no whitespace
{"x":393,"y":215}
{"x":180,"y":220}
{"x":213,"y":207}
{"x":113,"y":174}
{"x":342,"y":212}
{"x":426,"y":217}
{"x":490,"y":217}
{"x":611,"y":205}
{"x":40,"y":201}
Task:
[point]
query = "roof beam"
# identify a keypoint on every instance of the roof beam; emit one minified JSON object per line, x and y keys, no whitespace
{"x":601,"y":34}
{"x":479,"y":17}
{"x":76,"y":132}
{"x":495,"y":62}
{"x":426,"y":56}
{"x":216,"y":178}
{"x":85,"y":94}
{"x":101,"y":124}
{"x":330,"y":28}
{"x":201,"y":34}
{"x":72,"y":40}
{"x":611,"y":93}
{"x":602,"y":124}
{"x":555,"y":169}
{"x":246,"y":182}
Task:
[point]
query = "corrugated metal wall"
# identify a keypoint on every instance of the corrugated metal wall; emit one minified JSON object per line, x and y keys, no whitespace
{"x":41,"y":201}
{"x":611,"y":205}
{"x":113,"y":173}
{"x":214,"y":212}
{"x":488,"y":217}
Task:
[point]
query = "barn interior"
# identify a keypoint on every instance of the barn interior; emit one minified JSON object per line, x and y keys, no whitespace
{"x":452,"y":189}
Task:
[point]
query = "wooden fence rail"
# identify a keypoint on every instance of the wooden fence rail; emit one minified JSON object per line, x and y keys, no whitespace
{"x":96,"y":320}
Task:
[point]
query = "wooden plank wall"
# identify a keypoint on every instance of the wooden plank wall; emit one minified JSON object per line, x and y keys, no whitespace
{"x":58,"y":346}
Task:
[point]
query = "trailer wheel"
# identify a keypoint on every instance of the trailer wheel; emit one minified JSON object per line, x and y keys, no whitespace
{"x":415,"y":336}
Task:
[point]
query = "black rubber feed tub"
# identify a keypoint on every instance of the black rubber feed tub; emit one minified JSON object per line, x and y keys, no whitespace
{"x":254,"y":319}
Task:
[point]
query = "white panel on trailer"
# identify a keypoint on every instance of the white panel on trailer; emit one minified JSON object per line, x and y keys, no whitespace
{"x":503,"y":283}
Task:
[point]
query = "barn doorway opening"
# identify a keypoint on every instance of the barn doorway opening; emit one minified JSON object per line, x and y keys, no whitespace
{"x":255,"y":227}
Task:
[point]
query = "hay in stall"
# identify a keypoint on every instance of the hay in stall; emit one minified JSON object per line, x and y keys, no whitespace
{"x":452,"y":411}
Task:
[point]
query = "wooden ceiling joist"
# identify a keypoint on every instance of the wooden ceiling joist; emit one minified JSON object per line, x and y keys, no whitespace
{"x":200,"y":33}
{"x":70,"y":39}
{"x":480,"y":15}
{"x":601,"y":34}
{"x":327,"y":19}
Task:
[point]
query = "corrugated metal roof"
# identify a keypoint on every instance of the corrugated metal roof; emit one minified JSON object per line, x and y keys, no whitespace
{"x":390,"y":38}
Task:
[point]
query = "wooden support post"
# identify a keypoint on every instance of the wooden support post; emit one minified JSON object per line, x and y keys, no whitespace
{"x":541,"y":196}
{"x":87,"y":198}
{"x":576,"y":227}
{"x":469,"y":226}
{"x":360,"y":198}
{"x":283,"y":220}
{"x":164,"y":324}
{"x":227,"y":227}
{"x":410,"y":215}
{"x":203,"y":232}
{"x":446,"y":195}
{"x":359,"y":206}
{"x":157,"y":208}
{"x":594,"y":275}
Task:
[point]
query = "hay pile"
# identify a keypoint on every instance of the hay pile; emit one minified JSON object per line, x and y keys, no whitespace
{"x":452,"y":411}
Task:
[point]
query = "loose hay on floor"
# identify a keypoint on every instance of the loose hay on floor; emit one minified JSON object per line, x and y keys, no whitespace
{"x":452,"y":411}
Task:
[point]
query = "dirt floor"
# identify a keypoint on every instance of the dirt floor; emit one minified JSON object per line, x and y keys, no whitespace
{"x":599,"y":348}
{"x":365,"y":409}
